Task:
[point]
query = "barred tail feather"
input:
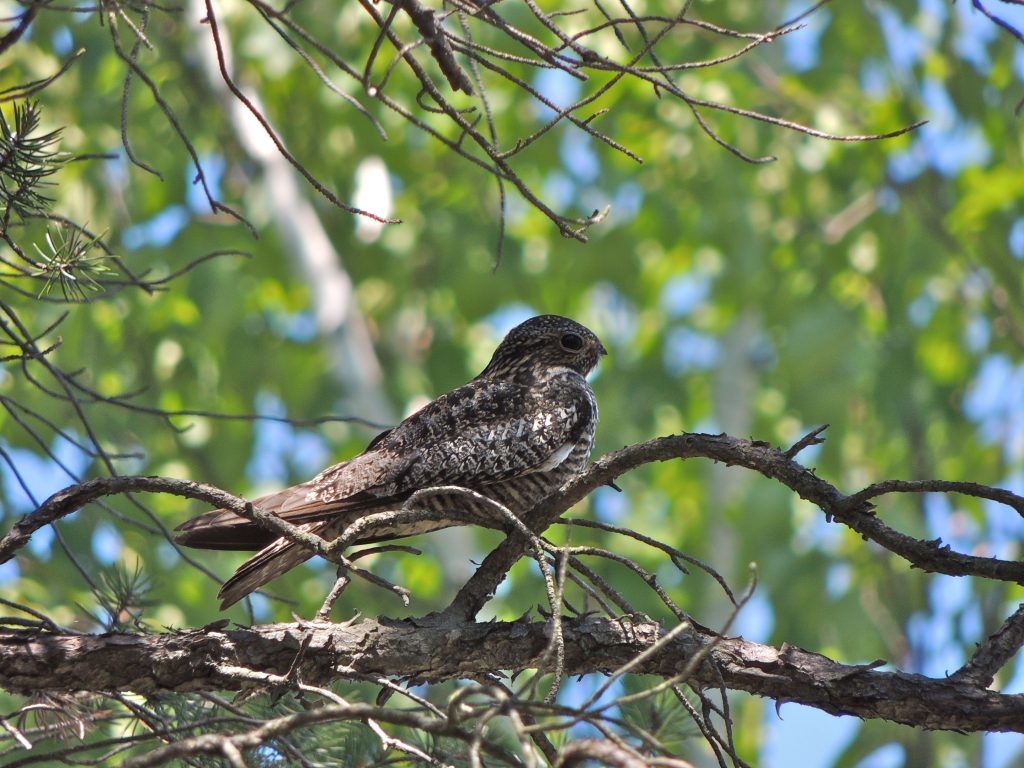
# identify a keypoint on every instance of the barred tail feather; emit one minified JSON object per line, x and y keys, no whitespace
{"x":266,"y":565}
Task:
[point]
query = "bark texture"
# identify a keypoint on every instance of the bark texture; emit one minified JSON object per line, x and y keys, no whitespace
{"x":439,"y":648}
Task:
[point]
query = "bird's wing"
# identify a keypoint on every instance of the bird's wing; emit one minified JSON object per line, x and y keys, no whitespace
{"x":481,"y":433}
{"x":223,"y":529}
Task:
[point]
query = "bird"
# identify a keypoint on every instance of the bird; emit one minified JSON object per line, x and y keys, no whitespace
{"x":515,"y":434}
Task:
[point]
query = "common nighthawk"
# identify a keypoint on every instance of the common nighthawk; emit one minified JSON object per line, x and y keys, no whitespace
{"x":515,"y":433}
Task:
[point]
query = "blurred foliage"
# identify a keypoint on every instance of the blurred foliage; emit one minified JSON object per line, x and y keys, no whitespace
{"x":868,"y":286}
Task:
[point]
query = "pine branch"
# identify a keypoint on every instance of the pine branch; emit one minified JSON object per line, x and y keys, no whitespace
{"x":27,"y":159}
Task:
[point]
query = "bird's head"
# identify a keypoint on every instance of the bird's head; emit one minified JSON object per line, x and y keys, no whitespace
{"x":545,"y":342}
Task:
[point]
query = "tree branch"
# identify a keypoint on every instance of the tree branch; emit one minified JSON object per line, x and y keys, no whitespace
{"x":449,"y":646}
{"x":435,"y":648}
{"x":75,"y":497}
{"x":995,"y":652}
{"x":24,"y":21}
{"x":853,"y":511}
{"x":426,"y":23}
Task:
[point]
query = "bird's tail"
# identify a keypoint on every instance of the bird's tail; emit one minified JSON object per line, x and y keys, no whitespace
{"x":223,"y":529}
{"x":266,"y":565}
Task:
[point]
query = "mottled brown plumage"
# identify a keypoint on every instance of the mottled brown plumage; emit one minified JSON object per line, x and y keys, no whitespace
{"x":515,"y":433}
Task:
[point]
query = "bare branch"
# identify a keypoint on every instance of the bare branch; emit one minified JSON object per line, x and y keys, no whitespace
{"x":853,"y":511}
{"x":603,"y":751}
{"x":995,"y":652}
{"x":211,"y":19}
{"x":427,"y":24}
{"x":772,"y":463}
{"x":436,"y":649}
{"x":700,"y":656}
{"x":1011,"y":500}
{"x":811,"y":438}
{"x":14,"y":35}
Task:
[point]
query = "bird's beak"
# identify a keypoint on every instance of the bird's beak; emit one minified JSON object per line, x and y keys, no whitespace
{"x":601,"y":350}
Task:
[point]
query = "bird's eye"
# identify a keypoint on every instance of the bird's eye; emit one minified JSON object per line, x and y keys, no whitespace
{"x":572,"y":342}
